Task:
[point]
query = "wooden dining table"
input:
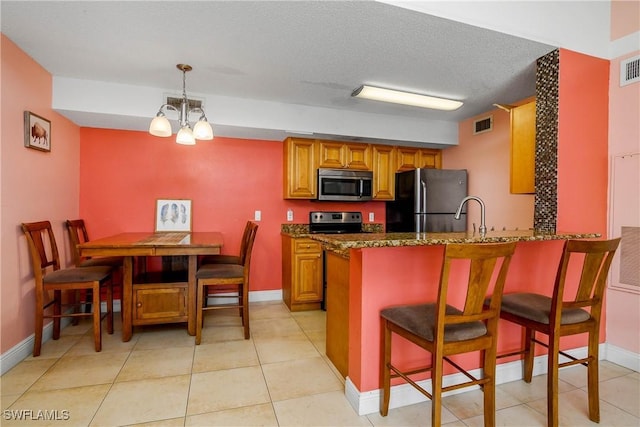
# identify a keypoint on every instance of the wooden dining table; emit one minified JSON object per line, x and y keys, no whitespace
{"x":156,"y":297}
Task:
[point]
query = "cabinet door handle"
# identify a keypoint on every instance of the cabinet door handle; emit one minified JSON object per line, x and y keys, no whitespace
{"x":139,"y":305}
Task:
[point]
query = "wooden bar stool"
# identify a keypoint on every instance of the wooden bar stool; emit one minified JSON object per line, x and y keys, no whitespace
{"x":444,"y":330}
{"x":573,"y":308}
{"x":44,"y":256}
{"x":226,"y":281}
{"x":78,"y":234}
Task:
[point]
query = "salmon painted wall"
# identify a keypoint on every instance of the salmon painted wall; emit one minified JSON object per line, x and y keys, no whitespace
{"x":487,"y":158}
{"x":583,"y":143}
{"x":35,"y":186}
{"x":122,"y":173}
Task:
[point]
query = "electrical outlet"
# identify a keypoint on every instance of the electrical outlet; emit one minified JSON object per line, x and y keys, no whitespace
{"x":290,"y":215}
{"x":372,"y":217}
{"x":257,"y":215}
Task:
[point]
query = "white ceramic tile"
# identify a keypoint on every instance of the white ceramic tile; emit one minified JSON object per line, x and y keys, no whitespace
{"x":271,"y":350}
{"x":622,"y":392}
{"x":298,"y":378}
{"x":225,"y":355}
{"x":470,"y":403}
{"x":577,"y":375}
{"x":226,"y":389}
{"x":275,"y":328}
{"x":77,"y":371}
{"x":65,"y":407}
{"x":163,"y":336}
{"x":246,"y":416}
{"x":134,"y":402}
{"x":144,"y":364}
{"x":574,"y":411}
{"x":412,"y":415}
{"x":514,"y":416}
{"x":324,"y":409}
{"x":536,"y":389}
{"x":23,"y":375}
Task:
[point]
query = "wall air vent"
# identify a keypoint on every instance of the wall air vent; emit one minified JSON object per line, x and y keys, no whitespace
{"x":483,"y":125}
{"x":630,"y":71}
{"x":176,"y":102}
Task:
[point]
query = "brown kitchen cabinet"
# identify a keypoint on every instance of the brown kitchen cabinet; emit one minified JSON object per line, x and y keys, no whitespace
{"x":384,"y":164}
{"x":160,"y":299}
{"x":523,"y":148}
{"x":340,"y":155}
{"x":300,"y":164}
{"x":409,"y":158}
{"x":301,"y":273}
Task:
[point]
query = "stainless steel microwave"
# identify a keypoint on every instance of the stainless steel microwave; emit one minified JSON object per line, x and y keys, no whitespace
{"x":344,"y":185}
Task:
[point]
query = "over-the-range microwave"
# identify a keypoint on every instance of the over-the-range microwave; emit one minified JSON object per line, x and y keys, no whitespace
{"x":344,"y":185}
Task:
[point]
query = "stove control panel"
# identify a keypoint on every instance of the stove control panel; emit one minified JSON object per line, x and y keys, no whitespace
{"x":335,"y":217}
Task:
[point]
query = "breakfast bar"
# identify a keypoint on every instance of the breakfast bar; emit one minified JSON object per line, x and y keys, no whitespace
{"x":369,"y":271}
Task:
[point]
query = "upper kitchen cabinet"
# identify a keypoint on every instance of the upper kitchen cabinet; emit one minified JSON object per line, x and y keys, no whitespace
{"x":300,"y":160}
{"x":384,"y":169}
{"x":409,"y":158}
{"x":523,"y":148}
{"x":339,"y":155}
{"x":303,"y":157}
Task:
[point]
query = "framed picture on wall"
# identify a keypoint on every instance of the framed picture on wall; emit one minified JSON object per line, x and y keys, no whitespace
{"x":173,"y":215}
{"x":37,"y":132}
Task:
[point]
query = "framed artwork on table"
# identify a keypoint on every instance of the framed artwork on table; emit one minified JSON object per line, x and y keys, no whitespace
{"x":37,"y":132}
{"x":173,"y":215}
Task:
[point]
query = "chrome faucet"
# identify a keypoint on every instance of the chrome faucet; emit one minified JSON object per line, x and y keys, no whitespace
{"x":483,"y":227}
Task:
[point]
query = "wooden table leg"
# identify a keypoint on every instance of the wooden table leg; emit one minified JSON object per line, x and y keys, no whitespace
{"x":191,"y":295}
{"x":127,"y":298}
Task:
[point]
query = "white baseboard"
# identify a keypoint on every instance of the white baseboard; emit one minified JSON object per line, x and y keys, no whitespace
{"x":368,"y":402}
{"x":24,"y":349}
{"x":254,"y":296}
{"x":623,"y":357}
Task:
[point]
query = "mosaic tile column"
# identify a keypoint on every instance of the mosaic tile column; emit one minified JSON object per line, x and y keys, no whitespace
{"x":546,"y":169}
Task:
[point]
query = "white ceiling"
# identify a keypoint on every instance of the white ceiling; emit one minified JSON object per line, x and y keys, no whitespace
{"x":264,"y":68}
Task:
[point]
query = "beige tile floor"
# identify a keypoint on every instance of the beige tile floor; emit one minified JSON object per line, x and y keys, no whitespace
{"x":280,"y":377}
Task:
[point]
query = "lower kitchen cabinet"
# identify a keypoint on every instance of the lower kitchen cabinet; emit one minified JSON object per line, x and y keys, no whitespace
{"x":301,"y":273}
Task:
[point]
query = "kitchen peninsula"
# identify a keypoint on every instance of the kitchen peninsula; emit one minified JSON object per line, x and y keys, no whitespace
{"x":366,"y":272}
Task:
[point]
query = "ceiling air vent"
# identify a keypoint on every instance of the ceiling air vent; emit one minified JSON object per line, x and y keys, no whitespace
{"x":483,"y":125}
{"x":630,"y":71}
{"x":176,"y":102}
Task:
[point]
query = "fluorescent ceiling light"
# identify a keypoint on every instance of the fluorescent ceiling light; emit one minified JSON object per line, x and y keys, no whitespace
{"x":405,"y":98}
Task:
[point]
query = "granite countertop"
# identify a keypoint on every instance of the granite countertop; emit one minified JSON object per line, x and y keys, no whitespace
{"x":342,"y":242}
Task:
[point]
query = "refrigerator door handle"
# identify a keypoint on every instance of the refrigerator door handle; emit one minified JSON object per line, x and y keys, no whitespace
{"x":423,"y":202}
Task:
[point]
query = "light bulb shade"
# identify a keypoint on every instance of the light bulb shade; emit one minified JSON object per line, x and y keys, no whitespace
{"x":160,"y":126}
{"x":202,"y":130}
{"x":185,"y":136}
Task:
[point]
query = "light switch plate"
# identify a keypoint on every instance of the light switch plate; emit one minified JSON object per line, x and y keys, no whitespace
{"x":257,"y":216}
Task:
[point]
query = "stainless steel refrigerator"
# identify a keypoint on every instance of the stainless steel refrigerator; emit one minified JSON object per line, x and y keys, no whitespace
{"x":427,"y":200}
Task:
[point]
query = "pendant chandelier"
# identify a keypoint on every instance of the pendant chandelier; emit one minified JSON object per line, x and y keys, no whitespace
{"x":160,"y":125}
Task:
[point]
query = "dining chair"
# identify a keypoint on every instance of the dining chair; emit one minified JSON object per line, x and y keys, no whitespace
{"x":444,"y":329}
{"x":226,"y":281}
{"x":51,"y":278}
{"x":78,"y":234}
{"x":231,"y":259}
{"x":574,"y":307}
